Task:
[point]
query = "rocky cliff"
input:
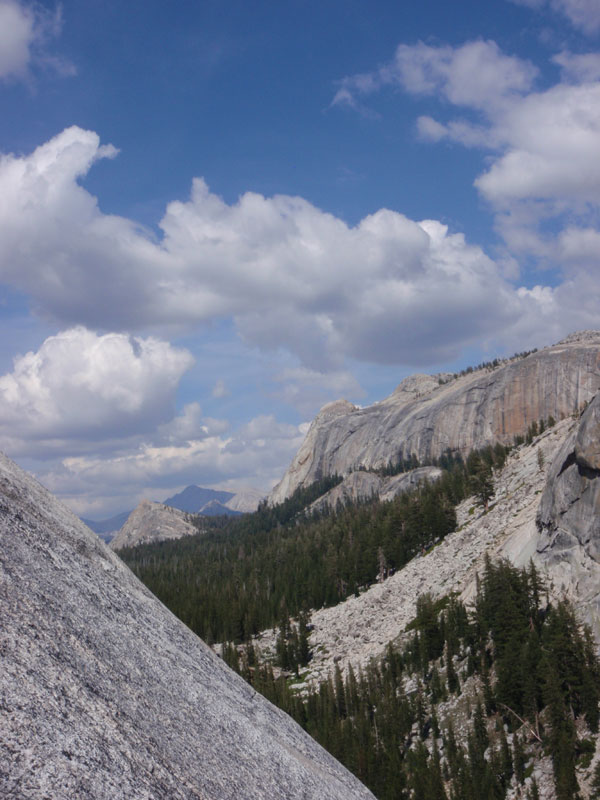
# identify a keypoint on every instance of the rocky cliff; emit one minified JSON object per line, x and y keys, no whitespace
{"x":569,"y":517}
{"x":152,"y":522}
{"x":362,"y":485}
{"x":245,"y":500}
{"x":426,"y":416}
{"x":360,"y":628}
{"x":104,"y":694}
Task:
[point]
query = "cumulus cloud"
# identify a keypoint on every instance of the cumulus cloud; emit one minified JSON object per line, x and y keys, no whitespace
{"x":253,"y":455}
{"x":94,"y":416}
{"x":189,"y":426}
{"x":544,"y":146}
{"x":579,"y":67}
{"x":79,"y":392}
{"x":24,"y":31}
{"x":474,"y":75}
{"x":289,"y":274}
{"x":308,"y":390}
{"x":552,"y":148}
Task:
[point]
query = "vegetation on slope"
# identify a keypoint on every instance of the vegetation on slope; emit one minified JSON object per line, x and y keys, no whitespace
{"x":525,"y":670}
{"x":240,"y":578}
{"x":532,"y":677}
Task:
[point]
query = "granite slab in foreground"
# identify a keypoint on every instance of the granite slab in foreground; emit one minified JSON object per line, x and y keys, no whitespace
{"x":105,"y":694}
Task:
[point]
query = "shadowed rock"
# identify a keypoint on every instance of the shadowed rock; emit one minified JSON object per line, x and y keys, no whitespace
{"x":105,"y":694}
{"x":426,"y":416}
{"x":568,"y":517}
{"x":569,"y":512}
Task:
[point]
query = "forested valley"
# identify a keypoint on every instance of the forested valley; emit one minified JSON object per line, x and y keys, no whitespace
{"x":242,"y":575}
{"x":466,"y":704}
{"x":463,"y":704}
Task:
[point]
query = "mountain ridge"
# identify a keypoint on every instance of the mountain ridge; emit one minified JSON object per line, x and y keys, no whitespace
{"x":194,"y":500}
{"x":426,"y":416}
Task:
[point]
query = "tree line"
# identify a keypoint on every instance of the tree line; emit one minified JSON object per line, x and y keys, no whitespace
{"x":532,"y":679}
{"x":243,"y":575}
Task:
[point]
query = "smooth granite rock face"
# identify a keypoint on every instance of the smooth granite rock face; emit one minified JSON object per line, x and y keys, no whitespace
{"x":363,"y":485}
{"x":426,"y":416}
{"x":152,"y":522}
{"x":104,"y":694}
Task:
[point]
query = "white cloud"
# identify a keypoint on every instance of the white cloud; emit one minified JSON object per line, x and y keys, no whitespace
{"x":582,"y":14}
{"x":473,"y":75}
{"x":16,"y":37}
{"x":552,"y":148}
{"x":290,"y":275}
{"x":579,"y":67}
{"x":24,"y":30}
{"x":79,"y":392}
{"x":255,"y":455}
{"x":191,"y":425}
{"x":220,"y":389}
{"x":544,"y":163}
{"x":580,"y":246}
{"x":94,"y":417}
{"x":308,"y":390}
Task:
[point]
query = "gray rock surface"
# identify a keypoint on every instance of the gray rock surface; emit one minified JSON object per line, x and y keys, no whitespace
{"x":569,"y":516}
{"x":245,"y":500}
{"x":426,"y":416}
{"x":359,"y":629}
{"x":364,"y":485}
{"x":104,"y":694}
{"x":152,"y":522}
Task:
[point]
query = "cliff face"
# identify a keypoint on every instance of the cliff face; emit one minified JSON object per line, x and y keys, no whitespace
{"x":569,"y":517}
{"x":365,"y":485}
{"x":152,"y":522}
{"x":423,"y":418}
{"x":104,"y":694}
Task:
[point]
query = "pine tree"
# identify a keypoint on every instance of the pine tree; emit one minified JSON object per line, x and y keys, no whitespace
{"x":518,"y":759}
{"x":595,"y":785}
{"x":533,"y":793}
{"x":506,"y":761}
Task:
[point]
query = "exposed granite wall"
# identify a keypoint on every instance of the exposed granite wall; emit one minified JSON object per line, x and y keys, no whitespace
{"x":568,"y":517}
{"x":425,"y":418}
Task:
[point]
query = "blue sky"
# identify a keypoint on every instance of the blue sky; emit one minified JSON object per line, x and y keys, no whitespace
{"x":214,"y":218}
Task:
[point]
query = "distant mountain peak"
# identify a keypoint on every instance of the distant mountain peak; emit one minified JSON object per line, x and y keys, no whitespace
{"x":193,"y":498}
{"x":153,"y":522}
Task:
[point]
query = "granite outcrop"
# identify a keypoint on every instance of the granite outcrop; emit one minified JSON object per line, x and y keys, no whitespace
{"x":427,"y":416}
{"x":153,"y":522}
{"x":104,"y":694}
{"x":568,"y":518}
{"x":362,"y":485}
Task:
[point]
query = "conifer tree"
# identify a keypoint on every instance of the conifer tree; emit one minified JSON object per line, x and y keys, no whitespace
{"x":518,"y":758}
{"x":533,"y":793}
{"x":595,"y":785}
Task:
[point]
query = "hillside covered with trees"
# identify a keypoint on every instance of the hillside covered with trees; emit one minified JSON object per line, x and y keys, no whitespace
{"x":244,"y":575}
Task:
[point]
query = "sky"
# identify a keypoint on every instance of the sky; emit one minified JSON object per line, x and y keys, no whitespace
{"x":216,"y":217}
